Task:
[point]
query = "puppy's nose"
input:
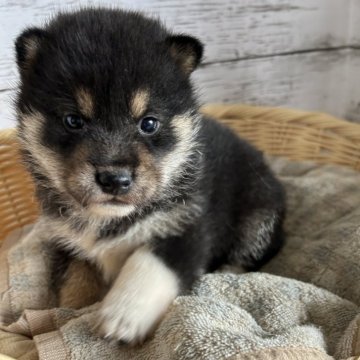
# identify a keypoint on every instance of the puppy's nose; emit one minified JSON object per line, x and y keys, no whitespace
{"x":114,"y":183}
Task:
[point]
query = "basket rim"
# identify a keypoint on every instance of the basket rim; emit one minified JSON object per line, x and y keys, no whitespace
{"x":8,"y":135}
{"x":317,"y":119}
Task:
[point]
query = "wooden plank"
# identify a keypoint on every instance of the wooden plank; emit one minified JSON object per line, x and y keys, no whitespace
{"x":354,"y":38}
{"x":231,"y":29}
{"x":7,"y":115}
{"x":311,"y":81}
{"x":350,"y":104}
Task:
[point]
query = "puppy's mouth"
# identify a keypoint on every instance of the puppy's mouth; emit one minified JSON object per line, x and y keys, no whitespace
{"x":111,"y":208}
{"x":100,"y":200}
{"x":114,"y":201}
{"x":101,"y":196}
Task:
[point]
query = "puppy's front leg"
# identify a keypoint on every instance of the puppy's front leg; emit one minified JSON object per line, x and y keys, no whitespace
{"x":139,"y":297}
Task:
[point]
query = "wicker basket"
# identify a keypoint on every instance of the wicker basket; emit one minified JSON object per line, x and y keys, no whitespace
{"x":297,"y":135}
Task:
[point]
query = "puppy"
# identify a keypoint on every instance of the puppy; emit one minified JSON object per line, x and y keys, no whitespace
{"x":129,"y":175}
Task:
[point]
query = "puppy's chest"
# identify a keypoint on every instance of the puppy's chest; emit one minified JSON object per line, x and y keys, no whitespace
{"x":108,"y":246}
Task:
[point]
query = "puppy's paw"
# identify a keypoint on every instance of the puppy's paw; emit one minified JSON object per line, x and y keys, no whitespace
{"x":130,"y":323}
{"x":138,"y":299}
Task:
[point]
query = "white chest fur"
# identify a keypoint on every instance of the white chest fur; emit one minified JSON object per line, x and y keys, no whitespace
{"x":110,"y":254}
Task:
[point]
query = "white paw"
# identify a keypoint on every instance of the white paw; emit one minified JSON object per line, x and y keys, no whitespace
{"x":128,"y":322}
{"x":138,"y":299}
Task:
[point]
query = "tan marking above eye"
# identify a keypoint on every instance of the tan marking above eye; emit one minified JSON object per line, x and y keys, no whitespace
{"x":85,"y":102}
{"x":139,"y":102}
{"x":30,"y":137}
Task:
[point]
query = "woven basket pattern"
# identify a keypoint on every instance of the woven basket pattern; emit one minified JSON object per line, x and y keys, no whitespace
{"x":297,"y":135}
{"x":17,"y":204}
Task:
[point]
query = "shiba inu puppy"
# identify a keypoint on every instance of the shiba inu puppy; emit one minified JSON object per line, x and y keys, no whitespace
{"x":129,"y":175}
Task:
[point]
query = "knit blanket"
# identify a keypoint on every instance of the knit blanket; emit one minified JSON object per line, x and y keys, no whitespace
{"x":304,"y":304}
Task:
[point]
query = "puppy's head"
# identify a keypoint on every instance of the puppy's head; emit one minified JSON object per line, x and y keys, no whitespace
{"x":107,"y":116}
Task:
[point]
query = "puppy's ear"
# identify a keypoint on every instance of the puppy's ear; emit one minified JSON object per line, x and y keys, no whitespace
{"x":186,"y":51}
{"x":27,"y":46}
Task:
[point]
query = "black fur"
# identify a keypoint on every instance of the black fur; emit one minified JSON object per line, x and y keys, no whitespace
{"x":114,"y":53}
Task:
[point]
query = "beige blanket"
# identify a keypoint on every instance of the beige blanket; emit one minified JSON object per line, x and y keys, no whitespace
{"x":248,"y":316}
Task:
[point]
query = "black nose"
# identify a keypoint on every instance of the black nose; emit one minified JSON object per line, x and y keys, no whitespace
{"x":114,"y":183}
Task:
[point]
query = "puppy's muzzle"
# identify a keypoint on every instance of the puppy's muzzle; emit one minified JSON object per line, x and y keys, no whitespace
{"x":114,"y":183}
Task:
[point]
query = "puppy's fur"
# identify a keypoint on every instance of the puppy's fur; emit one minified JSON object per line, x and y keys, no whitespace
{"x":200,"y":197}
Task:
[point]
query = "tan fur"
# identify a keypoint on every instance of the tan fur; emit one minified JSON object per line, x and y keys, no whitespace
{"x":82,"y":286}
{"x":186,"y":128}
{"x":79,"y":176}
{"x":139,"y":103}
{"x":85,"y":102}
{"x":48,"y":160}
{"x":147,"y":174}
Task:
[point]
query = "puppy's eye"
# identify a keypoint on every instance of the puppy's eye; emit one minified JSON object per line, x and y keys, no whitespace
{"x":148,"y":125}
{"x":73,"y":122}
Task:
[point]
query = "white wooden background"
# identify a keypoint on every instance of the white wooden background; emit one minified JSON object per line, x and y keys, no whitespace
{"x":296,"y":53}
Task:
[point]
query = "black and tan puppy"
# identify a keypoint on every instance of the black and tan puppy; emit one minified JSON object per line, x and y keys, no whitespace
{"x":129,"y":175}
